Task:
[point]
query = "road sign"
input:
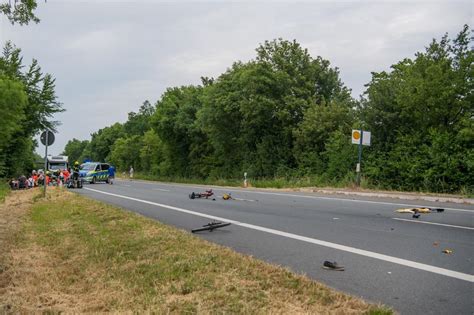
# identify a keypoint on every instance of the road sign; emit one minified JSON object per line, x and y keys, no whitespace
{"x":50,"y":137}
{"x":356,"y":137}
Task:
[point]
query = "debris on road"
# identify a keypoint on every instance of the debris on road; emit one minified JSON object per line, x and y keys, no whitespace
{"x":419,"y":210}
{"x":211,"y":226}
{"x":448,"y":251}
{"x":435,"y":243}
{"x":227,"y":196}
{"x":206,"y":194}
{"x":416,"y":216}
{"x":332,"y":265}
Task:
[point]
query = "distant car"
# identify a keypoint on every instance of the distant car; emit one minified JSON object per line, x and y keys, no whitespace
{"x":94,"y":172}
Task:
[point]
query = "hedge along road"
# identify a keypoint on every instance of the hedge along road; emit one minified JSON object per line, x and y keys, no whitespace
{"x":388,"y":260}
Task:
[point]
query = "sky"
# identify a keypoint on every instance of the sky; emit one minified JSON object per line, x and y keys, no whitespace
{"x":108,"y":57}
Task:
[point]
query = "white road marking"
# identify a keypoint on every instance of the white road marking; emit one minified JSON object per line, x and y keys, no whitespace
{"x":314,"y":197}
{"x":161,"y":189}
{"x":240,"y":199}
{"x":434,"y":223}
{"x":395,"y":260}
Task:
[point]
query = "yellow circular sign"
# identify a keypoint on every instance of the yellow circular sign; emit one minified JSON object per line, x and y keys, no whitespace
{"x":356,"y":135}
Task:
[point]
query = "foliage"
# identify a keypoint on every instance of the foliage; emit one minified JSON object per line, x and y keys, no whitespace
{"x":421,"y":115}
{"x":102,"y":141}
{"x":20,"y":11}
{"x":126,"y":153}
{"x":285,"y":118}
{"x":74,"y":150}
{"x":27,"y":102}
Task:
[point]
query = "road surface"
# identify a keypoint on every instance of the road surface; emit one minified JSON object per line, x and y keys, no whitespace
{"x":388,"y":257}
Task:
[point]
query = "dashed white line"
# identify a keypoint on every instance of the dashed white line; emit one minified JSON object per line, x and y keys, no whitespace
{"x":395,"y":260}
{"x":434,"y":223}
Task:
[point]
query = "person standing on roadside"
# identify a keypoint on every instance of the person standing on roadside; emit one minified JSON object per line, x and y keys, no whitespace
{"x":131,"y":172}
{"x":111,"y":174}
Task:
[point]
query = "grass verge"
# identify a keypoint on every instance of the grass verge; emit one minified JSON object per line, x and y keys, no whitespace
{"x":72,"y":254}
{"x":4,"y":189}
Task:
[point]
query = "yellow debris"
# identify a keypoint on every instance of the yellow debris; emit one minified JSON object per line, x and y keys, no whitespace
{"x":414,"y":210}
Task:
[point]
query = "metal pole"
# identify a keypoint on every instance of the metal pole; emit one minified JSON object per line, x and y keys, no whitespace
{"x":45,"y":164}
{"x":359,"y":165}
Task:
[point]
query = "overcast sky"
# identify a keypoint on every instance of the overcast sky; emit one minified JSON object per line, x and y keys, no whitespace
{"x":110,"y":56}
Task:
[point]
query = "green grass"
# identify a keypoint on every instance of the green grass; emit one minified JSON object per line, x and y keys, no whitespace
{"x":106,"y":259}
{"x":4,"y":190}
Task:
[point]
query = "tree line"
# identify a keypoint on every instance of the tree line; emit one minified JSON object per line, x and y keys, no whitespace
{"x":27,"y":98}
{"x":27,"y":104}
{"x":287,"y":114}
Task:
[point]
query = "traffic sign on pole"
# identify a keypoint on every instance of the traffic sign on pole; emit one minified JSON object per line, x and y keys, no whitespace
{"x":361,"y":138}
{"x":47,"y":138}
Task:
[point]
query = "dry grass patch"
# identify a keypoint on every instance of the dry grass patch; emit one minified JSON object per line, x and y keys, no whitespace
{"x":78,"y":255}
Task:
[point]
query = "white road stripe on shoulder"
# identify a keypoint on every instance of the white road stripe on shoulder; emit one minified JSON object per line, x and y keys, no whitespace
{"x":309,"y":197}
{"x":395,"y":260}
{"x":434,"y":223}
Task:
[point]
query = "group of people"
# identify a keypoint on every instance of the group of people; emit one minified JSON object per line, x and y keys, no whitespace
{"x":39,"y":178}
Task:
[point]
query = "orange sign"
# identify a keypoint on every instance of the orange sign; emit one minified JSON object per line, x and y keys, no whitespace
{"x":356,"y":135}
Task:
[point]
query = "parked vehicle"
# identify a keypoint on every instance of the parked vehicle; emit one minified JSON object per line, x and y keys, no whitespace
{"x":94,"y":172}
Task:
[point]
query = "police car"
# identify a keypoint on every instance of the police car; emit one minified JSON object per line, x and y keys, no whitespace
{"x":94,"y":172}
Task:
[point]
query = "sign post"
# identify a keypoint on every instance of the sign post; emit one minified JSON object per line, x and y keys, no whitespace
{"x":47,"y":139}
{"x":360,"y":138}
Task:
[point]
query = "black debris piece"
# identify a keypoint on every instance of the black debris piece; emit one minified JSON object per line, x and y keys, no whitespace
{"x":211,"y":226}
{"x":332,"y":265}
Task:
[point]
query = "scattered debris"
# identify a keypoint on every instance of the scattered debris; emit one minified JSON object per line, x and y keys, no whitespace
{"x":448,"y":251}
{"x":335,"y":218}
{"x":206,"y":194}
{"x":227,"y":196}
{"x":332,"y":265}
{"x":416,"y":216}
{"x":211,"y":226}
{"x":419,"y":210}
{"x":435,"y":243}
{"x":389,"y":272}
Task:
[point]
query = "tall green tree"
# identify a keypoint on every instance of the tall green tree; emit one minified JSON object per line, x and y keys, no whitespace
{"x":125,"y":153}
{"x":102,"y":141}
{"x":175,"y":123}
{"x":36,"y":111}
{"x":420,"y":115}
{"x":252,"y":112}
{"x":139,"y":123}
{"x":74,"y":150}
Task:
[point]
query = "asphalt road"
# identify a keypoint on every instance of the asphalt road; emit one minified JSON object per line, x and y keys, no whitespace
{"x":388,"y":257}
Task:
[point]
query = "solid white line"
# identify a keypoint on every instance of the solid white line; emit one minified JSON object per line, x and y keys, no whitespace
{"x":434,"y":223}
{"x":403,"y":262}
{"x":312,"y":197}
